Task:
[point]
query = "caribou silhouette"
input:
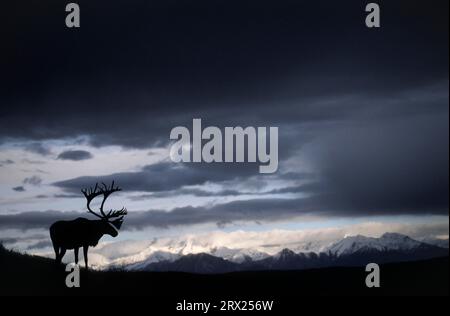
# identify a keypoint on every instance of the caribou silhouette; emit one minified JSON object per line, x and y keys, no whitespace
{"x":86,"y":233}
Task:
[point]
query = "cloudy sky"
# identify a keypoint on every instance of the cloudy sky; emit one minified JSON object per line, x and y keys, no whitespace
{"x":363,"y":116}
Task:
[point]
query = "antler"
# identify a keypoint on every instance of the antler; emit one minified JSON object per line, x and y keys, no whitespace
{"x":122,"y":212}
{"x":91,"y":193}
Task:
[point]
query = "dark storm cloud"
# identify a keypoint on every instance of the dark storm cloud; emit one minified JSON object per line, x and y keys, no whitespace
{"x":397,"y":166}
{"x":222,"y":214}
{"x":8,"y":240}
{"x":35,"y":220}
{"x":264,"y":210}
{"x":165,"y":176}
{"x":14,"y":240}
{"x":66,"y":196}
{"x":249,"y":62}
{"x":256,"y":210}
{"x":367,"y":108}
{"x":33,"y":162}
{"x":40,"y":245}
{"x":185,"y":191}
{"x":6,"y":162}
{"x":34,"y":180}
{"x":75,"y":155}
{"x":38,"y":148}
{"x":305,"y":188}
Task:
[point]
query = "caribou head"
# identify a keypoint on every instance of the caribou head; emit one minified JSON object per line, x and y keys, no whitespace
{"x":105,"y":191}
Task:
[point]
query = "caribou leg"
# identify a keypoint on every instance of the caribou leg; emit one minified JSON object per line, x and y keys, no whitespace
{"x":85,"y":252}
{"x":56,"y":248}
{"x":61,"y":254}
{"x":75,"y":250}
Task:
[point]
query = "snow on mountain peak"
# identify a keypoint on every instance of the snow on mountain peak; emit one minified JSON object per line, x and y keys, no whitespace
{"x":238,"y":255}
{"x":285,"y":253}
{"x":352,"y":244}
{"x":137,"y":255}
{"x":388,"y":241}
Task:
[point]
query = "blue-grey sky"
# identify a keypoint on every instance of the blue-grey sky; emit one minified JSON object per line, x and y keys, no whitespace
{"x":363,"y":114}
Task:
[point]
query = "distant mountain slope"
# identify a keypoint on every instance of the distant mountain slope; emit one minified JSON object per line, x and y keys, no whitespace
{"x":351,"y":251}
{"x":387,"y":242}
{"x":443,"y":243}
{"x":194,"y":263}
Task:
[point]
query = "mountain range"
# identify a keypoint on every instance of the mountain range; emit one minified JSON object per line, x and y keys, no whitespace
{"x":350,"y":251}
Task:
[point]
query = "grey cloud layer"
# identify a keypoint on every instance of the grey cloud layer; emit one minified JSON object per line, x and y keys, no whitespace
{"x":33,"y":220}
{"x":368,"y":110}
{"x":394,"y":166}
{"x":165,"y":176}
{"x":34,"y":180}
{"x":75,"y":155}
{"x":37,"y":148}
{"x":256,"y":210}
{"x":6,"y":162}
{"x":200,"y":64}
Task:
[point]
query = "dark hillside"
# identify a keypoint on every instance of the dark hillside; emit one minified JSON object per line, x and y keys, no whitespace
{"x":29,"y":275}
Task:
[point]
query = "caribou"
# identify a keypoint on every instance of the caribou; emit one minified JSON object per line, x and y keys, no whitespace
{"x":86,"y":233}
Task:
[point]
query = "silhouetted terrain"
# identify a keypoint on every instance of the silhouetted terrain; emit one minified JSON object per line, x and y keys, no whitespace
{"x":288,"y":260}
{"x":29,"y":275}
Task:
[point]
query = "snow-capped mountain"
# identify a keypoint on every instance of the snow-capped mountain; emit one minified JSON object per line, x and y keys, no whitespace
{"x":238,"y":255}
{"x":195,"y":263}
{"x":157,"y":256}
{"x":350,"y":251}
{"x":153,"y":255}
{"x":172,"y":251}
{"x":387,"y":242}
